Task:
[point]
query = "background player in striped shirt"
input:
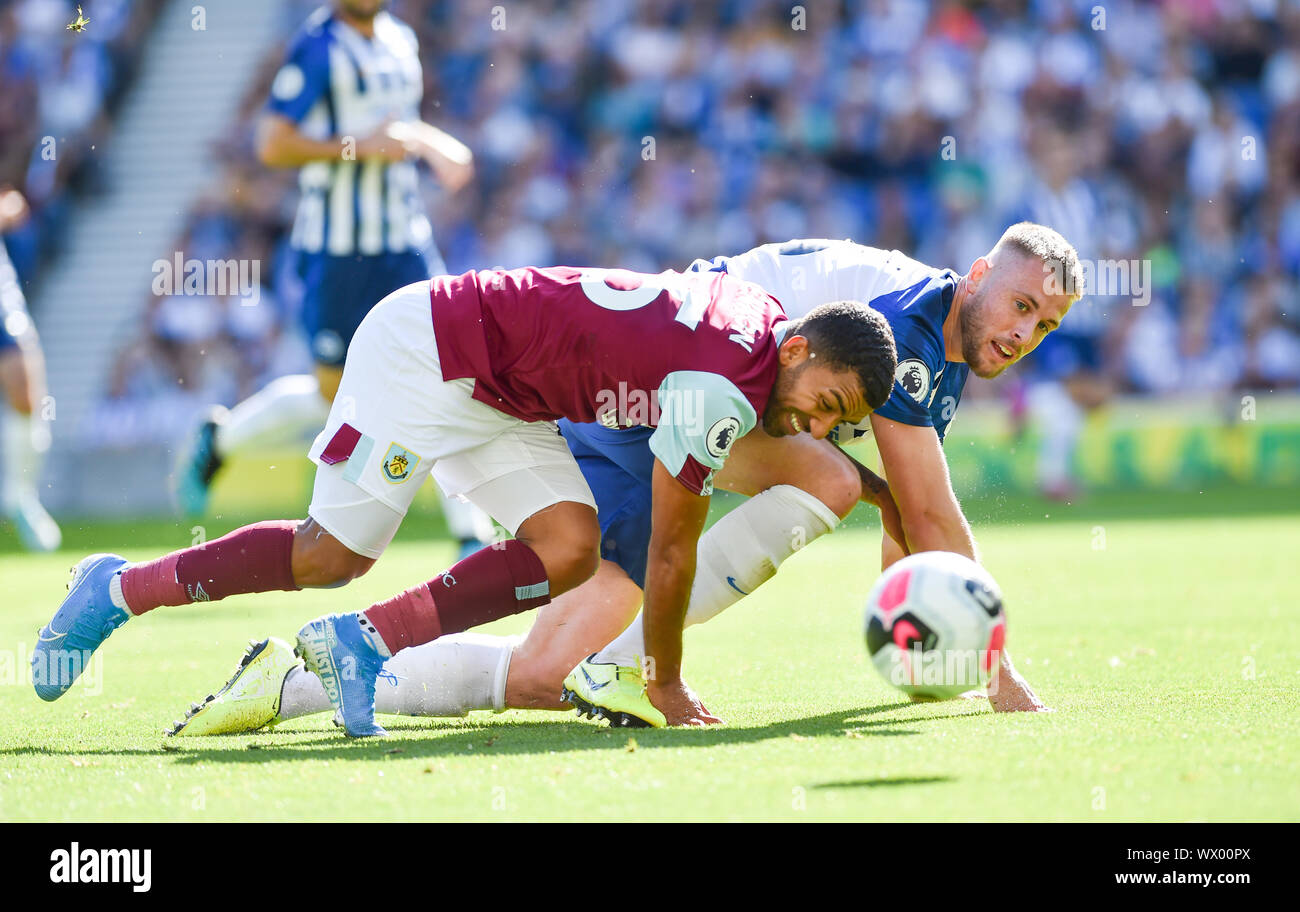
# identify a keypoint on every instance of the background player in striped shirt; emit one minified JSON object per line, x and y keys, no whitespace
{"x":344,"y":110}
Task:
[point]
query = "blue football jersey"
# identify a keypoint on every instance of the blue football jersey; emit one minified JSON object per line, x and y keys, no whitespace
{"x":338,"y":84}
{"x":913,"y":297}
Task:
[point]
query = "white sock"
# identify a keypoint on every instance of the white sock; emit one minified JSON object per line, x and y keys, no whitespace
{"x":24,"y":441}
{"x":447,"y":677}
{"x":745,"y":547}
{"x":371,"y":633}
{"x":464,"y":520}
{"x":115,"y":590}
{"x":302,"y":694}
{"x":1062,"y":421}
{"x":285,"y":410}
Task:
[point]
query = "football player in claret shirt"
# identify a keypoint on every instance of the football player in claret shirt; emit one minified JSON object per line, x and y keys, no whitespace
{"x":946,"y":327}
{"x":463,"y":376}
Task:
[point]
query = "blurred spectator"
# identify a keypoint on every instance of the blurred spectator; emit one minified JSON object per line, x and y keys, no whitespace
{"x":1272,"y":346}
{"x":59,"y":88}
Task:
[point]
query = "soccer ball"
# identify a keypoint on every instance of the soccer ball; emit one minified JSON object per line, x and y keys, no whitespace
{"x":935,"y":625}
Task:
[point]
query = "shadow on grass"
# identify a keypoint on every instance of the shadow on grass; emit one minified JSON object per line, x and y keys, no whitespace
{"x":884,"y":781}
{"x":455,"y":737}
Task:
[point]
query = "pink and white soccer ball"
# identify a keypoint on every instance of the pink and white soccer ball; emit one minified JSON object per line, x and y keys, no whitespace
{"x":935,"y":625}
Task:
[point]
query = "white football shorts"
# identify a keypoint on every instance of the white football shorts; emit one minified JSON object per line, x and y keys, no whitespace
{"x":395,"y":420}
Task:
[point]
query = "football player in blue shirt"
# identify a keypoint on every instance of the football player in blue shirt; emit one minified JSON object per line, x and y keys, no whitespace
{"x":946,"y":326}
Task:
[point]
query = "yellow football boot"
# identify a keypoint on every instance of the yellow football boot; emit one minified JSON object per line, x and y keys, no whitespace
{"x":615,"y":693}
{"x":250,"y":699}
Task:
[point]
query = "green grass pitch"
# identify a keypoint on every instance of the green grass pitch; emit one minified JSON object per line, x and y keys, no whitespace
{"x":1162,"y":628}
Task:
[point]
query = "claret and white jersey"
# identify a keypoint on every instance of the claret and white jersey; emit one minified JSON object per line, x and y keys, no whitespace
{"x":914,"y":298}
{"x":692,"y":355}
{"x":463,"y":376}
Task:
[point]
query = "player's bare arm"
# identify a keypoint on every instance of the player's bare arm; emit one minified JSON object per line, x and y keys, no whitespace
{"x":581,"y":622}
{"x":678,"y":519}
{"x":917,"y":473}
{"x":13,"y":208}
{"x":280,"y":144}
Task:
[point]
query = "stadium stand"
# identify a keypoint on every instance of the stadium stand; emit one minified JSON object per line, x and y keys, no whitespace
{"x":645,"y":134}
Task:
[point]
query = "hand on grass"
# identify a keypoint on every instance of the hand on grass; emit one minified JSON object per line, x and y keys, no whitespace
{"x":1009,"y":692}
{"x":679,"y":704}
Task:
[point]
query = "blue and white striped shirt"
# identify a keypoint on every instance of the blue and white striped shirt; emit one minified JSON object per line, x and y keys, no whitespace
{"x":337,"y":83}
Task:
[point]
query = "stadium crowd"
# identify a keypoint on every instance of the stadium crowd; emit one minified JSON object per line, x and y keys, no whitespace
{"x":646,"y":133}
{"x":56,"y":107}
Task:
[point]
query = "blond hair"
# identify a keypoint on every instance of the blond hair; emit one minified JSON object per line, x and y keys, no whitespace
{"x":1058,"y":256}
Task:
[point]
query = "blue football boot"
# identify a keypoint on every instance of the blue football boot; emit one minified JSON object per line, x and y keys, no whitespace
{"x":339,"y":652}
{"x":84,"y":620}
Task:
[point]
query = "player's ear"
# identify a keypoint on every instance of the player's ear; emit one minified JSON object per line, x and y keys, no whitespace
{"x":978,"y":270}
{"x":793,"y":351}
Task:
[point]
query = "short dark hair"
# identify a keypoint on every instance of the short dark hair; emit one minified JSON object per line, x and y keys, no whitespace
{"x":850,"y":335}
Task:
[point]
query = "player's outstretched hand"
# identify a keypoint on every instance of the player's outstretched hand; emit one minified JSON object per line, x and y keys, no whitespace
{"x":1009,"y":692}
{"x":679,"y":704}
{"x":450,"y":159}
